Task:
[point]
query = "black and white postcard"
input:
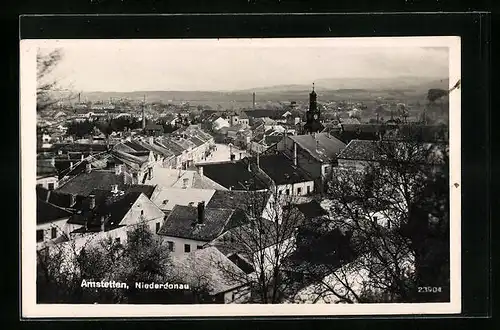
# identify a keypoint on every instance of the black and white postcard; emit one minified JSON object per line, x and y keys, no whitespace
{"x":173,"y":176}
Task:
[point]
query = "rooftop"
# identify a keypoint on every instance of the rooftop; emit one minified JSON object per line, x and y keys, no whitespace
{"x":232,"y":199}
{"x":84,"y":183}
{"x":46,"y":212}
{"x":234,"y":175}
{"x":183,"y":222}
{"x":281,"y":169}
{"x":321,"y":146}
{"x":190,"y":265}
{"x":110,"y":207}
{"x":167,"y":198}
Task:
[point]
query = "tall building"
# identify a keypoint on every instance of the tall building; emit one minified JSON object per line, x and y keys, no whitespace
{"x":313,"y":115}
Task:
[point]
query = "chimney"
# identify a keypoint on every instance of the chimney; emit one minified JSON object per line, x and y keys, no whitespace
{"x":91,"y":201}
{"x":88,"y":168}
{"x":82,"y":157}
{"x":201,"y":212}
{"x":70,"y":166}
{"x":200,"y":170}
{"x":249,"y":168}
{"x":72,"y":201}
{"x":53,"y":161}
{"x":118,"y":169}
{"x":151,"y":140}
{"x":102,"y":223}
{"x":253,"y":100}
{"x":295,"y":154}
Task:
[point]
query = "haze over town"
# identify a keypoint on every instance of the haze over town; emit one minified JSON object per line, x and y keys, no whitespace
{"x":233,"y":64}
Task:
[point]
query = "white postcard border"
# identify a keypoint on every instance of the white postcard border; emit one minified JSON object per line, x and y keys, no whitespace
{"x":29,"y":307}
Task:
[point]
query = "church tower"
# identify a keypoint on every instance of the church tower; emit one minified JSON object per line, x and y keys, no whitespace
{"x":313,"y":123}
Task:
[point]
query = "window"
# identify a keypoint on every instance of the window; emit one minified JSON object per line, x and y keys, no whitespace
{"x":53,"y":232}
{"x":51,"y":185}
{"x":280,"y":192}
{"x":171,"y":246}
{"x":157,"y":227}
{"x":299,"y":190}
{"x":288,"y":191}
{"x":199,"y":247}
{"x":187,"y":248}
{"x":39,"y":235}
{"x":308,"y":189}
{"x":142,"y":212}
{"x":117,"y":240}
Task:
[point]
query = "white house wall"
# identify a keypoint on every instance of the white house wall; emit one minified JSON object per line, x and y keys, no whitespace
{"x":179,"y":243}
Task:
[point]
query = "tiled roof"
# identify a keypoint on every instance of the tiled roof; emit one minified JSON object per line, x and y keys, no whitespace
{"x":45,"y":168}
{"x":113,"y":207}
{"x":221,"y":273}
{"x":176,"y":149}
{"x":145,"y":189}
{"x":231,"y":199}
{"x":322,"y":146}
{"x":233,"y":174}
{"x":135,"y":146}
{"x":281,"y":169}
{"x":94,"y":147}
{"x":241,"y":239}
{"x":196,"y":141}
{"x":84,"y":183}
{"x":46,"y":212}
{"x":183,"y":222}
{"x":167,"y":198}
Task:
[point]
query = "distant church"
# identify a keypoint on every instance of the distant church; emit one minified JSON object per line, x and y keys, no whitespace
{"x":313,"y":115}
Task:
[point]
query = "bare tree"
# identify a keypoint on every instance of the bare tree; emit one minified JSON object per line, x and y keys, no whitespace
{"x":48,"y":91}
{"x":261,"y":244}
{"x":394,"y":212}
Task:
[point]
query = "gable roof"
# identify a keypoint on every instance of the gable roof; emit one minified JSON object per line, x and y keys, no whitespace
{"x":167,"y":198}
{"x":213,"y":265}
{"x":84,"y":183}
{"x":147,"y":190}
{"x":109,"y":207}
{"x":322,"y":146}
{"x":233,"y":174}
{"x":281,"y":169}
{"x":46,"y":212}
{"x":182,"y":222}
{"x":234,"y":199}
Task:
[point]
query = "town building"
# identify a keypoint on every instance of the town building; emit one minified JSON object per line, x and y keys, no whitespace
{"x":315,"y":154}
{"x":189,"y":228}
{"x":210,"y":268}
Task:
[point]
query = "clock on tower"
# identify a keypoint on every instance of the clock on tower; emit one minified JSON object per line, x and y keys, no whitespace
{"x":313,"y":123}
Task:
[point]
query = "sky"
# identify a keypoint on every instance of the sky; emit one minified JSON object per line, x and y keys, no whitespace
{"x":235,"y":64}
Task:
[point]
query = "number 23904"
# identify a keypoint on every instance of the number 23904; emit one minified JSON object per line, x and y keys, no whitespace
{"x":429,"y":289}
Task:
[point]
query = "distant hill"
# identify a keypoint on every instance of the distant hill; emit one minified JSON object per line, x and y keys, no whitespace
{"x":327,"y":89}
